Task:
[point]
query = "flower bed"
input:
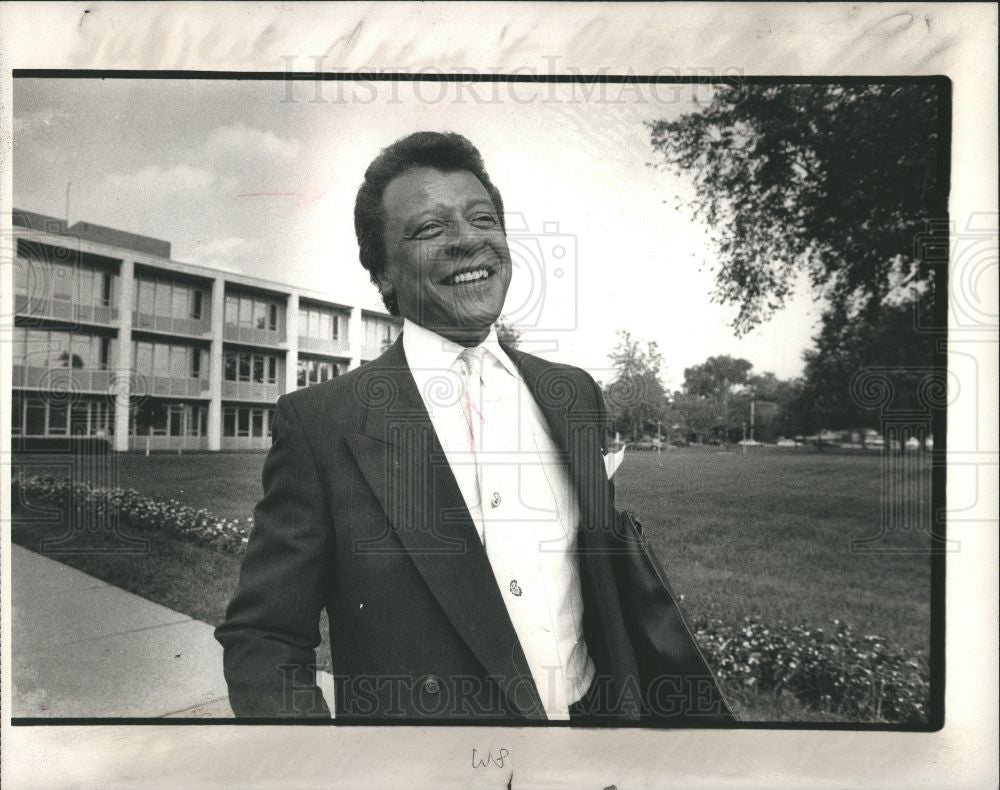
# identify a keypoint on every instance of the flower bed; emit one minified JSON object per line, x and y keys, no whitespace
{"x":167,"y":516}
{"x":859,"y":678}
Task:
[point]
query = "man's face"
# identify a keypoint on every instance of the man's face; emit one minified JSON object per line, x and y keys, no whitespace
{"x":446,"y":256}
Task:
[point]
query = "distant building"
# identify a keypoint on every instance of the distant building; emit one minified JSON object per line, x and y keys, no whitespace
{"x":113,"y":338}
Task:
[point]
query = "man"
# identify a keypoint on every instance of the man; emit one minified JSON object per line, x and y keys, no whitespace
{"x":448,"y":505}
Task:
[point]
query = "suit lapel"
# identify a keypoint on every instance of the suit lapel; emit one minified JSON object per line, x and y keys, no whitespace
{"x":405,"y":465}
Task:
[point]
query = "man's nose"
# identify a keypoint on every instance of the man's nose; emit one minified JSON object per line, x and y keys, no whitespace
{"x":463,"y":238}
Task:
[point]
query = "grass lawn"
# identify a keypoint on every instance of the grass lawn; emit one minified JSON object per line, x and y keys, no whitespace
{"x":765,"y":534}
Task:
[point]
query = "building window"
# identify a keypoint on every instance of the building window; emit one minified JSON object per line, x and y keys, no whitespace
{"x":22,"y":276}
{"x":105,"y":358}
{"x":246,"y":422}
{"x":252,"y":312}
{"x":58,"y":273}
{"x":58,"y":419}
{"x":34,"y":416}
{"x":246,"y":311}
{"x":16,"y":414}
{"x":229,"y":421}
{"x":316,"y":371}
{"x":245,"y":366}
{"x":63,"y":282}
{"x":319,"y":323}
{"x":34,"y":422}
{"x":167,"y":359}
{"x":161,"y":358}
{"x":106,"y":288}
{"x":242,"y":422}
{"x":179,"y":302}
{"x":145,"y":293}
{"x":163,"y":300}
{"x":41,"y":348}
{"x":168,"y":299}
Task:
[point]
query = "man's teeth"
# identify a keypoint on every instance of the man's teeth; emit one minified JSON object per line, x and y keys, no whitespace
{"x":467,"y":277}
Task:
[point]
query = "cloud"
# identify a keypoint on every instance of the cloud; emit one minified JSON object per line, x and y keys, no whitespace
{"x":32,"y":123}
{"x":154,"y":180}
{"x":241,"y":141}
{"x":229,"y":252}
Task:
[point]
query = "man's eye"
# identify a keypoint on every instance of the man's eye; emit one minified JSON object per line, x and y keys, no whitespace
{"x":429,"y":230}
{"x":484,"y":221}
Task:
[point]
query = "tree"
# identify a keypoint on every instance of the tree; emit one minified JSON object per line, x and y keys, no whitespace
{"x":837,"y":181}
{"x":882,"y":349}
{"x":707,"y":403}
{"x":636,"y":399}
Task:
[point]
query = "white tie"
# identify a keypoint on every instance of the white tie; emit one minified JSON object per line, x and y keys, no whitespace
{"x":509,"y":525}
{"x":472,"y":407}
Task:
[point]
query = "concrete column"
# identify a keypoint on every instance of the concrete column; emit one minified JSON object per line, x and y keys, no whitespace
{"x":123,"y":364}
{"x":292,"y":335}
{"x":356,"y":337}
{"x":215,"y":364}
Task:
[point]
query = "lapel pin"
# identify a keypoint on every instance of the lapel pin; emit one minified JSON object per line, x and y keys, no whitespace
{"x":515,"y":588}
{"x":495,"y":503}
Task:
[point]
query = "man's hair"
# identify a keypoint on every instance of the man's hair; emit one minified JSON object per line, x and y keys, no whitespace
{"x":444,"y":151}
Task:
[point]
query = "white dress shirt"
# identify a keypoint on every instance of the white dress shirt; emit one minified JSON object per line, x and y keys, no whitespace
{"x":519,"y":494}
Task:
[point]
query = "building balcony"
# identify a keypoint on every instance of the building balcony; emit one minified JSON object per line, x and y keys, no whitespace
{"x":157,"y":441}
{"x":60,"y":310}
{"x":316,"y":345}
{"x":250,"y":391}
{"x":246,"y":442}
{"x":253,"y":336}
{"x":171,"y":325}
{"x":171,"y":386}
{"x":64,"y":381}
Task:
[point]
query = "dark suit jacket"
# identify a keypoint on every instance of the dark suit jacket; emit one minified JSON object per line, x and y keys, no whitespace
{"x":362,"y":515}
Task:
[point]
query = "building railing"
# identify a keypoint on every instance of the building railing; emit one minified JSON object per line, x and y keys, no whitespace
{"x":246,"y":442}
{"x":37,"y":307}
{"x":62,"y":382}
{"x":159,"y":441}
{"x":252,"y":335}
{"x":170,"y":324}
{"x":319,"y":345}
{"x":174,"y":386}
{"x":250,"y":390}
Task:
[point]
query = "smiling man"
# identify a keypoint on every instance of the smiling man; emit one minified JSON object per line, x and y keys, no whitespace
{"x":447,"y":504}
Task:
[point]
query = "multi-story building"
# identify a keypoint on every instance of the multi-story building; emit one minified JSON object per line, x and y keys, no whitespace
{"x":113,"y":338}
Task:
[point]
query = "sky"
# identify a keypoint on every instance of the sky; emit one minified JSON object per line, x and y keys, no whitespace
{"x":259,"y":177}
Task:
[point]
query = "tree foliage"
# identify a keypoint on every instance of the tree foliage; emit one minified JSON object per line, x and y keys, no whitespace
{"x":833,"y":180}
{"x":715,"y":402}
{"x":636,"y":398}
{"x":858,"y":370}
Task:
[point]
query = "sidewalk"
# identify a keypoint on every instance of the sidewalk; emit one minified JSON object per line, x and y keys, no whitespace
{"x":81,"y":647}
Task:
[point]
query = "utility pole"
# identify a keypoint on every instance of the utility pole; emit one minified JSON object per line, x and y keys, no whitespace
{"x":69,"y":184}
{"x":753,"y":404}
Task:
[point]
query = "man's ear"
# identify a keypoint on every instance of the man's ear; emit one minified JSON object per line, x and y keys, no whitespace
{"x":385,"y":286}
